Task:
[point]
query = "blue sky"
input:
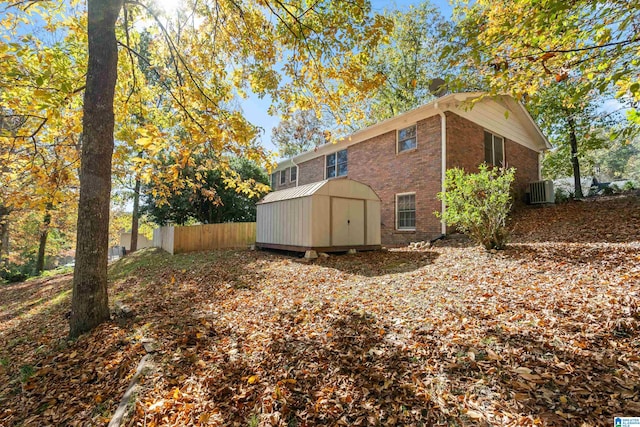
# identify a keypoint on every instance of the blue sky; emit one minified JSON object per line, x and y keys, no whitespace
{"x":256,"y":109}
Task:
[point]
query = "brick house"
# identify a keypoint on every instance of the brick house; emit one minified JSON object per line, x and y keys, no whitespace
{"x":401,"y":158}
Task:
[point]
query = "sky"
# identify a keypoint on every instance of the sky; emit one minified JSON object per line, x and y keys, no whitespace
{"x":256,"y":109}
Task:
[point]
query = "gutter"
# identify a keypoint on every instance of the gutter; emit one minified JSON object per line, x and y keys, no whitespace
{"x":443,"y":156}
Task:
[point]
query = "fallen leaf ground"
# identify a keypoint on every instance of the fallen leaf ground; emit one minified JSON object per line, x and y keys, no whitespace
{"x":543,"y":333}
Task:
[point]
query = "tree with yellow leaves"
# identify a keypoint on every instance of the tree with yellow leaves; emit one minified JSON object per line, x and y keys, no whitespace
{"x":304,"y":55}
{"x":521,"y":47}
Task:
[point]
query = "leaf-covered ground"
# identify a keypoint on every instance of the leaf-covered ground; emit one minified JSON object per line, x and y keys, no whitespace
{"x":545,"y":333}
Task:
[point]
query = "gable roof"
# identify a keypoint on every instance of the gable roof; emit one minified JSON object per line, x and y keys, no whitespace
{"x":501,"y":114}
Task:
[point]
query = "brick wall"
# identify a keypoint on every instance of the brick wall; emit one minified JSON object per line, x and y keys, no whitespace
{"x":465,"y":149}
{"x":287,"y":182}
{"x":465,"y":143}
{"x":526,"y":163}
{"x":376,"y":163}
{"x":312,"y":171}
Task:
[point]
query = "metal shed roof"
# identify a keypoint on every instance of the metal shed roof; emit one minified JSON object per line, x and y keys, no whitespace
{"x":329,"y":187}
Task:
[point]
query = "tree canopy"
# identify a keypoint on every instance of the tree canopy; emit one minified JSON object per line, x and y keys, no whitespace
{"x":299,"y":133}
{"x":213,"y":203}
{"x":409,"y":60}
{"x":519,"y":47}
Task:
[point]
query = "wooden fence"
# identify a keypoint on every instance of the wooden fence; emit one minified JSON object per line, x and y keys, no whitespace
{"x":193,"y":238}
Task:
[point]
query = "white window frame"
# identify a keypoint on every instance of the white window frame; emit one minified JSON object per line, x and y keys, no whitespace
{"x":293,"y":168}
{"x":283,"y":177}
{"x":398,"y":195}
{"x":398,"y":140}
{"x":494,"y":136}
{"x":274,"y":180}
{"x":326,"y":167}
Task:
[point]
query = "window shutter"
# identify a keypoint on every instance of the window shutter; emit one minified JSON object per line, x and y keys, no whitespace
{"x":488,"y":148}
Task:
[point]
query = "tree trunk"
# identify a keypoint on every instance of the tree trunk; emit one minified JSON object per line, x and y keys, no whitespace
{"x":574,"y":157}
{"x":44,"y":234}
{"x":4,"y":233}
{"x":89,"y":305}
{"x":135,"y":216}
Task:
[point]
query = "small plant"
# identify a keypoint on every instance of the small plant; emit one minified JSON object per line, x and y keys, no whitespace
{"x":478,"y":204}
{"x":26,"y":372}
{"x":253,"y":421}
{"x":628,"y":186}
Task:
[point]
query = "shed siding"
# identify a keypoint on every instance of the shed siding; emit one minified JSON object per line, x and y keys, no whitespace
{"x":285,"y":222}
{"x":373,"y":222}
{"x":302,"y":217}
{"x":321,"y":220}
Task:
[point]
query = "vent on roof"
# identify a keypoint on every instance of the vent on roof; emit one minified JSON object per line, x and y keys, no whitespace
{"x":541,"y":192}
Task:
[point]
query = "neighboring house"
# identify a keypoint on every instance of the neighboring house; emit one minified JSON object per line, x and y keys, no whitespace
{"x":567,"y":187}
{"x":401,"y":158}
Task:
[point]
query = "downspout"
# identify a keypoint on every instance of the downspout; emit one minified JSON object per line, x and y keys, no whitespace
{"x":297,"y":171}
{"x":443,"y":137}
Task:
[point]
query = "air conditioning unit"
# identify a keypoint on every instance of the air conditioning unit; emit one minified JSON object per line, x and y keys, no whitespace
{"x":541,"y":192}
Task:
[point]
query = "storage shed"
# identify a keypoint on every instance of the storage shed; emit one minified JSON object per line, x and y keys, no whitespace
{"x":327,"y":216}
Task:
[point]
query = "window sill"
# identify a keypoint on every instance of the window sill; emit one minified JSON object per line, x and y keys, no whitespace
{"x":405,"y":230}
{"x":410,"y":150}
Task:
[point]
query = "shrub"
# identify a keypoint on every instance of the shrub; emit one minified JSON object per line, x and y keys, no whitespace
{"x":12,"y":273}
{"x":628,"y":186}
{"x":610,"y":190}
{"x":478,"y":204}
{"x":561,"y":196}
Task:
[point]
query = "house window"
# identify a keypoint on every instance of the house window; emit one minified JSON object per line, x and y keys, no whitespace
{"x":274,"y":180}
{"x":283,"y":177}
{"x":336,"y":164}
{"x":293,"y":175}
{"x":493,"y":149}
{"x":407,"y":138}
{"x":406,"y":211}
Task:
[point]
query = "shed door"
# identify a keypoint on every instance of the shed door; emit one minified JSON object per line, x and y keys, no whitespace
{"x":347,"y":222}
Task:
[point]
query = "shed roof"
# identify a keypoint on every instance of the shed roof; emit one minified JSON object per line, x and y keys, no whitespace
{"x":339,"y":187}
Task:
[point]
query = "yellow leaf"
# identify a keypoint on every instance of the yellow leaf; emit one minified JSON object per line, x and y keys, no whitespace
{"x":474,"y":414}
{"x":144,"y":141}
{"x":253,"y":379}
